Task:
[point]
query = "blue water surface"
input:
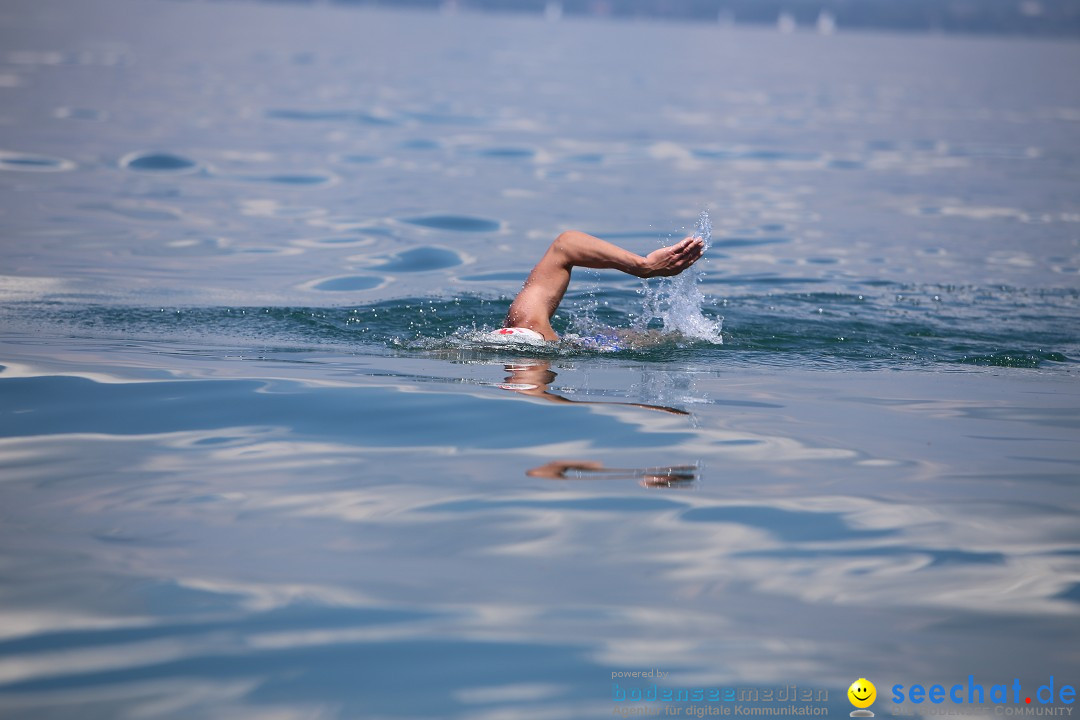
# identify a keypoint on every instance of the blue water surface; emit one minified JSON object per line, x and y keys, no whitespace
{"x":259,"y":460}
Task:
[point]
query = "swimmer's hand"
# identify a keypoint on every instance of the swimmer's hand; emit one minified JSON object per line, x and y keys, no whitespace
{"x":673,"y":259}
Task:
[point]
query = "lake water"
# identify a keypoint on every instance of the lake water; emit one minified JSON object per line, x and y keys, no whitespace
{"x":255,"y":461}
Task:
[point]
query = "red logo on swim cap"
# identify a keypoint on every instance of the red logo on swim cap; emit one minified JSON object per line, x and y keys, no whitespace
{"x":506,"y":331}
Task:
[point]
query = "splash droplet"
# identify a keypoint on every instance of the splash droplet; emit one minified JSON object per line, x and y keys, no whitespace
{"x":677,"y":301}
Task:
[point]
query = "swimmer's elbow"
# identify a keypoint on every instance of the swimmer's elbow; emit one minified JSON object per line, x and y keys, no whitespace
{"x":562,"y":248}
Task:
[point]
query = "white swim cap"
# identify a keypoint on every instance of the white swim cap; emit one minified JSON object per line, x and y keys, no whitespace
{"x":516,"y":334}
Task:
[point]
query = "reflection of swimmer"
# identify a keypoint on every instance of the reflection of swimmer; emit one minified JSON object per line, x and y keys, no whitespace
{"x":532,"y":377}
{"x":544,"y":289}
{"x":670,"y":476}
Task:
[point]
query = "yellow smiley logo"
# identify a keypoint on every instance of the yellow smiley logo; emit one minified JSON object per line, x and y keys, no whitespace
{"x":862,"y":693}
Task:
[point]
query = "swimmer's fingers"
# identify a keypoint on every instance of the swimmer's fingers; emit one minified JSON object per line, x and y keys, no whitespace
{"x":682,"y":263}
{"x":684,"y":245}
{"x":691,"y":255}
{"x":673,"y":259}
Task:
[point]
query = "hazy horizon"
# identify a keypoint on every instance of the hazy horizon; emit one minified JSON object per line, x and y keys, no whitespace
{"x":1049,"y":18}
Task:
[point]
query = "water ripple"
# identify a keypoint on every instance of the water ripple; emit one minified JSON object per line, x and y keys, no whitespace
{"x":365,"y":118}
{"x":348,"y":283}
{"x":157,"y":162}
{"x":421,"y":259}
{"x":457,"y":223}
{"x":26,"y":162}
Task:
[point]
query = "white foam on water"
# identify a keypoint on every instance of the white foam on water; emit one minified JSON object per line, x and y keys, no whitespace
{"x":677,"y":301}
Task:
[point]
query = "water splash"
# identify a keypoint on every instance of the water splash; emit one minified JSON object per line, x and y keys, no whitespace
{"x":677,"y":301}
{"x":704,"y":228}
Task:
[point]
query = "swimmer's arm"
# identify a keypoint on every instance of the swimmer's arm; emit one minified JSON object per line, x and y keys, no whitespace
{"x":578,"y":249}
{"x":547,"y":283}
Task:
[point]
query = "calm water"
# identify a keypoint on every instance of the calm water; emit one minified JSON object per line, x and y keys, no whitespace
{"x":256,"y":462}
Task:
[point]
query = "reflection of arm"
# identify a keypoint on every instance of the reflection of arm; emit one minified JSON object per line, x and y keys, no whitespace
{"x":661,"y":408}
{"x":535,"y":379}
{"x":557,"y":469}
{"x":555,"y":398}
{"x":670,"y":476}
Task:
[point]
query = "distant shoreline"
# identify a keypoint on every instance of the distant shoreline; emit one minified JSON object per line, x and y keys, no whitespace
{"x":1031,"y":18}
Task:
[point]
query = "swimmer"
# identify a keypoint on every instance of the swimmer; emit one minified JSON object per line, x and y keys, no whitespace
{"x":530,"y":313}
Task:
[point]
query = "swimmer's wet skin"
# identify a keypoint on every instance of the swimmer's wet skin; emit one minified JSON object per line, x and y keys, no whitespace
{"x":538,"y":300}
